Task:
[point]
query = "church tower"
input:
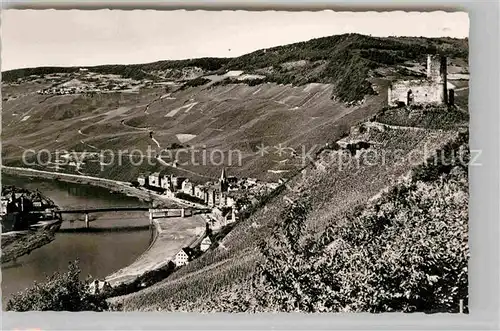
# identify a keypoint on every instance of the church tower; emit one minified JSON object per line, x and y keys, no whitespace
{"x":223,"y":181}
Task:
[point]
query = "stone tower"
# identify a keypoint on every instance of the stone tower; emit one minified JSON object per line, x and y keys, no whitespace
{"x":437,"y":72}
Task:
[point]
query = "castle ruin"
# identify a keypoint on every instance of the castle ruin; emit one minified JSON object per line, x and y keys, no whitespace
{"x":432,"y":89}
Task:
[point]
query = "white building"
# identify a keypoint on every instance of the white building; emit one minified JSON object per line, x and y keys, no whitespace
{"x":166,"y":182}
{"x":205,"y":244}
{"x":226,"y":201}
{"x":230,"y":202}
{"x":141,"y":180}
{"x":272,"y":186}
{"x":181,"y":258}
{"x":188,"y":187}
{"x":154,"y":179}
{"x":3,"y":205}
{"x":199,"y":191}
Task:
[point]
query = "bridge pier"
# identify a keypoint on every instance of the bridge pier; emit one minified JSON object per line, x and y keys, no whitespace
{"x":183,"y":212}
{"x":150,"y":216}
{"x":87,"y":223}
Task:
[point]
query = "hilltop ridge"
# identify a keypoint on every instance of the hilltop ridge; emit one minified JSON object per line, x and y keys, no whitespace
{"x":343,"y":60}
{"x":299,"y":95}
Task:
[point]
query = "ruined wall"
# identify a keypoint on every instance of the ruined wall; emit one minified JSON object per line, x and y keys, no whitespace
{"x":430,"y":90}
{"x":424,"y":91}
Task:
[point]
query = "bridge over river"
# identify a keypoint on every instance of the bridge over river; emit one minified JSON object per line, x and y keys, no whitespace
{"x":153,"y":212}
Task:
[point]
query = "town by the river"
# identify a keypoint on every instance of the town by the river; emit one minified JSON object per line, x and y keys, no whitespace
{"x":124,"y":236}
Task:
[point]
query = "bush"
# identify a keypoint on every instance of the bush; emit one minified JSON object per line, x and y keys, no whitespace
{"x":406,"y":251}
{"x":429,"y":117}
{"x":195,"y":82}
{"x":61,"y":292}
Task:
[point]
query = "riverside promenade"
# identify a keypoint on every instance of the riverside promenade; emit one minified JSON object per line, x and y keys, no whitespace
{"x":172,"y":234}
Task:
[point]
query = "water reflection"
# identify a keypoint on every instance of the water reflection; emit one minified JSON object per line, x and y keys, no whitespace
{"x":116,"y":240}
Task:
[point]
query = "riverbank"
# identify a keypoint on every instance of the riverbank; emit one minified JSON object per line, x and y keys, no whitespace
{"x":112,"y":185}
{"x":115,"y":239}
{"x":172,"y":234}
{"x":18,"y":243}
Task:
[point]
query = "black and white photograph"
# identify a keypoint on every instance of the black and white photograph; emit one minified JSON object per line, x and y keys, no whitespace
{"x":235,"y":161}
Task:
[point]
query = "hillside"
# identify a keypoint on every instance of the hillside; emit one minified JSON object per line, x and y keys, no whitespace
{"x":286,"y":256}
{"x":217,"y":107}
{"x":365,"y":194}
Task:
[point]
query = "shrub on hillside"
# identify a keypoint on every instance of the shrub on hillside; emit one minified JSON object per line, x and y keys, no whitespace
{"x":406,"y":251}
{"x":455,"y":153}
{"x":61,"y":292}
{"x":195,"y":82}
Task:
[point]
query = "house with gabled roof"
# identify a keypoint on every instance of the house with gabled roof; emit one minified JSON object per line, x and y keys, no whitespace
{"x":205,"y":244}
{"x":181,"y":258}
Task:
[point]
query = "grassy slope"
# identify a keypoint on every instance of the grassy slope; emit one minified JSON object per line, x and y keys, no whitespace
{"x":344,"y":61}
{"x":406,"y":250}
{"x":26,"y":243}
{"x":333,"y":193}
{"x":225,"y":118}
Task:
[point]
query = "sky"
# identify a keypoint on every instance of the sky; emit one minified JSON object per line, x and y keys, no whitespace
{"x":33,"y":38}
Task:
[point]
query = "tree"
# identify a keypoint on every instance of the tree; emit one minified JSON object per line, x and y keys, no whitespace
{"x":61,"y":292}
{"x":279,"y":283}
{"x":407,"y":252}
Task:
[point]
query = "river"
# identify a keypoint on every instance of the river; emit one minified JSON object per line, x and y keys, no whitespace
{"x":123,"y":236}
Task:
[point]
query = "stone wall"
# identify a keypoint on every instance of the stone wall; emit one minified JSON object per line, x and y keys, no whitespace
{"x":433,"y":89}
{"x":424,"y":91}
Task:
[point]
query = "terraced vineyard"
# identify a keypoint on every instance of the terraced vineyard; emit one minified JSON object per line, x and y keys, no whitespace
{"x":261,"y":115}
{"x":337,"y":187}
